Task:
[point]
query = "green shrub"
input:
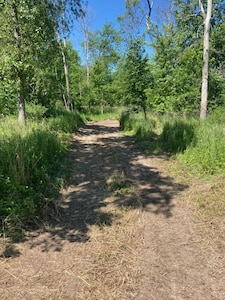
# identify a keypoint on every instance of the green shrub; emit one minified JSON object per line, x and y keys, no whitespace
{"x":177,"y":135}
{"x":217,"y":115}
{"x":125,"y":121}
{"x":35,"y":111}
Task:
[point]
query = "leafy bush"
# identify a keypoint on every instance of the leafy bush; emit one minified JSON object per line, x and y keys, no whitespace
{"x":35,"y":111}
{"x":125,"y":121}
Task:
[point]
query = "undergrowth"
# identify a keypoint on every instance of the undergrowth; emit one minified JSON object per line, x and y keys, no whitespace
{"x":196,"y":146}
{"x":32,"y":167}
{"x":109,"y":113}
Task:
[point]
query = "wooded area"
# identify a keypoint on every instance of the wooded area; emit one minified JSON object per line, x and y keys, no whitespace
{"x":39,"y":67}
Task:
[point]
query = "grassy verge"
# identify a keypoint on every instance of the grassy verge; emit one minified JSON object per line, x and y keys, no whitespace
{"x":32,"y":168}
{"x":197,"y":149}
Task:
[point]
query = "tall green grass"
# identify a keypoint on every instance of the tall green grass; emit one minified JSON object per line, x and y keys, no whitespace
{"x":177,"y":135}
{"x":208,"y":153}
{"x":200,"y":145}
{"x":32,"y":161}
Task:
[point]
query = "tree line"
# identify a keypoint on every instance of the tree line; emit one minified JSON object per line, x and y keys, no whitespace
{"x":39,"y":66}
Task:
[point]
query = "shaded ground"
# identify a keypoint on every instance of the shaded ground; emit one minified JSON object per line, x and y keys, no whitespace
{"x":122,"y":232}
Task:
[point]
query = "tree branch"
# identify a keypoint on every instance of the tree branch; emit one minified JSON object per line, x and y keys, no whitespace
{"x":202,"y":9}
{"x":150,"y":5}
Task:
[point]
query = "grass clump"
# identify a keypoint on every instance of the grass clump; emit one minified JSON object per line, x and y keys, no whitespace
{"x":32,"y":167}
{"x":207,"y":155}
{"x":143,"y":129}
{"x":65,"y":122}
{"x":177,"y":135}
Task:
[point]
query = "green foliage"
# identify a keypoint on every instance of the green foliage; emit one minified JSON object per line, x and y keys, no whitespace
{"x":104,"y":53}
{"x":30,"y":60}
{"x":35,"y":111}
{"x":143,"y":129}
{"x":109,"y":113}
{"x":7,"y":97}
{"x":200,"y":145}
{"x":207,"y":156}
{"x":32,"y":166}
{"x":177,"y":135}
{"x":136,"y":77}
{"x":29,"y":162}
{"x":178,"y":60}
{"x":217,"y":115}
{"x":65,"y":122}
{"x":127,"y":123}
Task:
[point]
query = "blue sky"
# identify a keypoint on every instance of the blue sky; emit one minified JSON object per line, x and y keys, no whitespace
{"x":106,"y":11}
{"x":100,"y":12}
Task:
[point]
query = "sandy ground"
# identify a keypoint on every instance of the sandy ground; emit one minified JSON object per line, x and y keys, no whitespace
{"x":122,"y":231}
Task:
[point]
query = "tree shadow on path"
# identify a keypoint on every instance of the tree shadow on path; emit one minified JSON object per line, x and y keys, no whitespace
{"x":101,"y":154}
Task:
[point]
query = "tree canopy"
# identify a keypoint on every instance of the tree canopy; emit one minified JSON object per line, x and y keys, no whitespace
{"x":38,"y":64}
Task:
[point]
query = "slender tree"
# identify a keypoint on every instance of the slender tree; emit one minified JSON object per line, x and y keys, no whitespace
{"x":205,"y":69}
{"x":19,"y":71}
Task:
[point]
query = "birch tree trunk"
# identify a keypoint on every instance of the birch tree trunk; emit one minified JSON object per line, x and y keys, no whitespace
{"x":20,"y":75}
{"x":66,"y":70}
{"x":205,"y":69}
{"x":69,"y":104}
{"x":86,"y":32}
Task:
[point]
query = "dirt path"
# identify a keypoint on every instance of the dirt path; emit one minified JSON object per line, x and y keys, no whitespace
{"x":123,"y":232}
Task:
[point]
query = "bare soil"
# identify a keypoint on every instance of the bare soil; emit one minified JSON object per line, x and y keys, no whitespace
{"x":123,"y":230}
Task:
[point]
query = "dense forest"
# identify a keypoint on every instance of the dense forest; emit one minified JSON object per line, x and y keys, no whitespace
{"x":143,"y":64}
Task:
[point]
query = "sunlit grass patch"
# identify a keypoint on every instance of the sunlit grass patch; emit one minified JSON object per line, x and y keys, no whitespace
{"x":119,"y":183}
{"x":32,"y":166}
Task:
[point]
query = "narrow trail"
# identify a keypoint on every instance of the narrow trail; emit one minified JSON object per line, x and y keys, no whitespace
{"x":122,"y":232}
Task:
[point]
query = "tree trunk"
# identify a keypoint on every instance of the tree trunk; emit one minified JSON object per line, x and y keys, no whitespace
{"x":69,"y":104}
{"x":66,"y":70}
{"x":21,"y":94}
{"x":21,"y":102}
{"x":86,"y":32}
{"x":205,"y":68}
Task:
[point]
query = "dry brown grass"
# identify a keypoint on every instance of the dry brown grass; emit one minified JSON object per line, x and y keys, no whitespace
{"x":206,"y":193}
{"x":208,"y":198}
{"x":113,"y":272}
